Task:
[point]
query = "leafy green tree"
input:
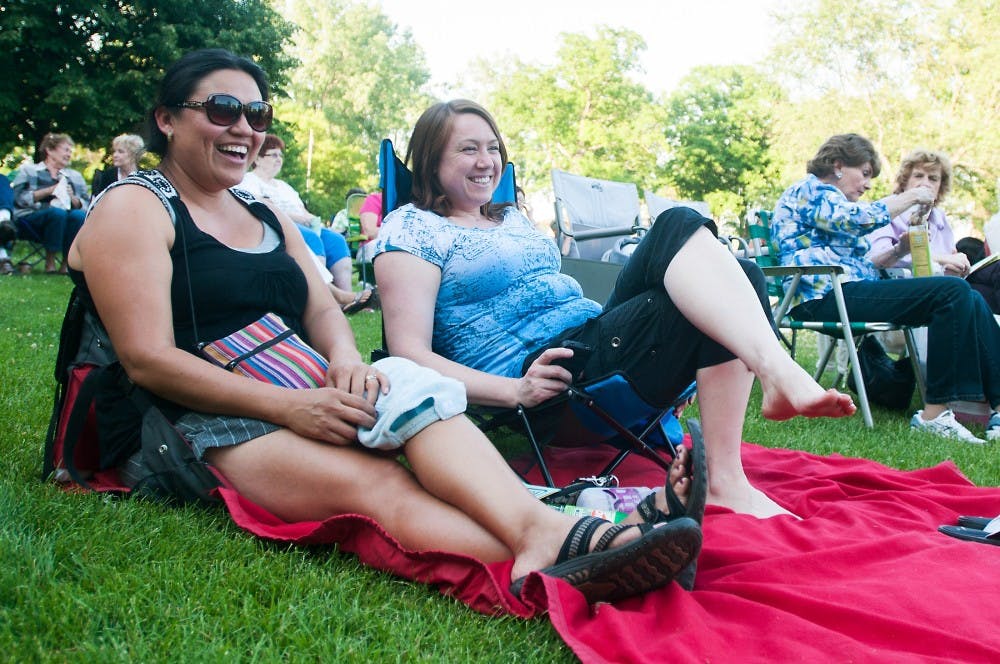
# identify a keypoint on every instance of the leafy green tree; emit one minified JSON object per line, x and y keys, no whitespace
{"x":90,"y":68}
{"x":906,"y":74}
{"x":359,"y":81}
{"x":718,"y":128}
{"x":585,"y":114}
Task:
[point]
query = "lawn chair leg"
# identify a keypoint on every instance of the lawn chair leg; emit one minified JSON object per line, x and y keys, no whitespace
{"x":911,"y":350}
{"x":824,"y":360}
{"x":852,"y":354}
{"x":535,"y":447}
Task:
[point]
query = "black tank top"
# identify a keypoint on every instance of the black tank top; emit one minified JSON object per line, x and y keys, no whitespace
{"x":230,"y":288}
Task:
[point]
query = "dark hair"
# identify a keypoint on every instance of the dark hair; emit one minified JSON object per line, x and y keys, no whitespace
{"x":355,"y":190}
{"x":849,"y":149}
{"x":186,"y":73}
{"x":427,"y":144}
{"x":973,"y":248}
{"x":925,"y":158}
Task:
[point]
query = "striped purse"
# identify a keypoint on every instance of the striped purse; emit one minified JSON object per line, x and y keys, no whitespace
{"x":269,"y":351}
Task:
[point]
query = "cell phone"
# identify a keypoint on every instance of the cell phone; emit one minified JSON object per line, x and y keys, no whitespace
{"x":576,"y":363}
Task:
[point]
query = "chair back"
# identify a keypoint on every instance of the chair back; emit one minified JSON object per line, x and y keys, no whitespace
{"x":396,"y":181}
{"x":354,"y":235}
{"x":656,"y":205}
{"x":593,"y":213}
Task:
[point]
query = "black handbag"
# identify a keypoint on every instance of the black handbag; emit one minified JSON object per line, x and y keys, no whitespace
{"x":888,"y":382}
{"x":172,"y":471}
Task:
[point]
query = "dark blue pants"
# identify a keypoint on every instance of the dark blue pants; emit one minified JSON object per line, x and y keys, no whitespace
{"x":963,"y":338}
{"x":55,"y":227}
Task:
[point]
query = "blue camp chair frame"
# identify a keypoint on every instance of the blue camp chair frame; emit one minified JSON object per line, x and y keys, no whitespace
{"x":604,"y":410}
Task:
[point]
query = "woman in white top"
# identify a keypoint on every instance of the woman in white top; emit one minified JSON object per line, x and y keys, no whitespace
{"x":331,"y":247}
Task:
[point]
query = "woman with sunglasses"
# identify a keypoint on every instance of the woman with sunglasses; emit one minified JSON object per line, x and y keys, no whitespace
{"x":225,"y":260}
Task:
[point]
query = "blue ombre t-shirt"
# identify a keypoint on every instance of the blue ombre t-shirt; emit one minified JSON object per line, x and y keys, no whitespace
{"x":502,"y":296}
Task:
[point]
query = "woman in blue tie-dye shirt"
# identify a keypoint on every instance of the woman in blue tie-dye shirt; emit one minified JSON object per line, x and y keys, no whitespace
{"x":821,"y":221}
{"x":474,"y":291}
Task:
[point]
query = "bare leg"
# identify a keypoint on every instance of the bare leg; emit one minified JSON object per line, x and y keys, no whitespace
{"x":461,"y":497}
{"x":720,"y":302}
{"x":723,"y":391}
{"x":341,"y":271}
{"x":454,"y":461}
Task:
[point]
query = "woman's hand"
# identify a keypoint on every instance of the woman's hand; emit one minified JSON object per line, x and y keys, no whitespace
{"x":955,"y":265}
{"x":328,"y":414}
{"x":359,"y":379}
{"x":921,"y":196}
{"x":544,"y":380}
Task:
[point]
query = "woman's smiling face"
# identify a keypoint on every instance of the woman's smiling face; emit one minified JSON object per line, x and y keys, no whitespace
{"x":471,"y":163}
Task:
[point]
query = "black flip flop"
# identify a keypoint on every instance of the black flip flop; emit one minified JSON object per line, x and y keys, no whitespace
{"x":977,"y":522}
{"x":360,"y":302}
{"x":605,"y":575}
{"x":697,"y":470}
{"x":971,"y":534}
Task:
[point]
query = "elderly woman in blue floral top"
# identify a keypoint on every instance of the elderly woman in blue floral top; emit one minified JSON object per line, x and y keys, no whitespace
{"x":820,"y":221}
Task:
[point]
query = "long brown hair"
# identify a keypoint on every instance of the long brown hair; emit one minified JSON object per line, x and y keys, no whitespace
{"x":427,"y":144}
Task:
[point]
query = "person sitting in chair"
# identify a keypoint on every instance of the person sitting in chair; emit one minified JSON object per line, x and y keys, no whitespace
{"x":821,"y":220}
{"x":890,"y":244}
{"x":148,"y":268}
{"x":50,"y":198}
{"x":474,"y":291}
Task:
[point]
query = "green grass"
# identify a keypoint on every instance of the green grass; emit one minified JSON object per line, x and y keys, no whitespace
{"x":89,"y":578}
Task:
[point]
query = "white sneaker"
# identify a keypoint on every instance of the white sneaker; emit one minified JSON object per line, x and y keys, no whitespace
{"x":993,"y":427}
{"x":945,"y":425}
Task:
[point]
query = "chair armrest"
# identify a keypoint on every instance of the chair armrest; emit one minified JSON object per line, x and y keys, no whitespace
{"x":792,"y":270}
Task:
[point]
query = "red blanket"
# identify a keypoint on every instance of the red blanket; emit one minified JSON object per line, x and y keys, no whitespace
{"x":864,"y":577}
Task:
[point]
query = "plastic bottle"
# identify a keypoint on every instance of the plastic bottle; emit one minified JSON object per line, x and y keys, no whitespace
{"x":613,"y":499}
{"x":920,"y":245}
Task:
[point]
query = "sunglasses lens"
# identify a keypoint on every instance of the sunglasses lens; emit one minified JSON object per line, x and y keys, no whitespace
{"x":223,"y":110}
{"x":259,"y":114}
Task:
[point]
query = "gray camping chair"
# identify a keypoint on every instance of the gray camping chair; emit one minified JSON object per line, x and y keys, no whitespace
{"x":595,"y":219}
{"x":656,"y":205}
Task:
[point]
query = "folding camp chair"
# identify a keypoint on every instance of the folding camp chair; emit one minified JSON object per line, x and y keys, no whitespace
{"x":599,"y":217}
{"x":605,"y":410}
{"x":766,"y":256}
{"x":656,"y":205}
{"x":32,"y":250}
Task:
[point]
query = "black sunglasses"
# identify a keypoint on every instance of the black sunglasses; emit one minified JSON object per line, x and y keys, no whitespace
{"x":224,"y":110}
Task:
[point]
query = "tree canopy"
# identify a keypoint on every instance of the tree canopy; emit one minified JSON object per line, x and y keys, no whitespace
{"x":587,"y":113}
{"x":360,"y":80}
{"x":90,"y":69}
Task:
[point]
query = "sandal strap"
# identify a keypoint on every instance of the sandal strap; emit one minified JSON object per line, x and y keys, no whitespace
{"x":651,"y":514}
{"x":577,"y":542}
{"x":608,"y":536}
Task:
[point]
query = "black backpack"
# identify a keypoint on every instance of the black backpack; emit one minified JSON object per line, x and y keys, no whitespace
{"x":79,"y":445}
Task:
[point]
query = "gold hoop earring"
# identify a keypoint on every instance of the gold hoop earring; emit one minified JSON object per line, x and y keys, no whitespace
{"x":170,"y":136}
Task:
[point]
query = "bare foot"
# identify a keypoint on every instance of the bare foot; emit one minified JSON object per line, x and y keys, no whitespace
{"x":790,"y":391}
{"x":748,"y":500}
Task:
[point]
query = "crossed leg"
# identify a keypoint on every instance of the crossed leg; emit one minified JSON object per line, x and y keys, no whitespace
{"x":721,"y":303}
